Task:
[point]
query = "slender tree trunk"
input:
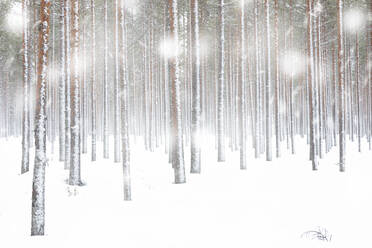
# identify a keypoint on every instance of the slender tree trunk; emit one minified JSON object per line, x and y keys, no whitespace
{"x":257,"y":72}
{"x":26,"y":85}
{"x":268,"y":84}
{"x":124,"y":110}
{"x":291,"y":81}
{"x":38,"y":184}
{"x":75,"y":97}
{"x":276,"y":86}
{"x":176,"y":125}
{"x":242,"y":94}
{"x":105,"y":89}
{"x":359,"y":120}
{"x":116,"y":88}
{"x":310,"y":72}
{"x":62,"y":87}
{"x":68,"y":85}
{"x":93,"y":83}
{"x":341,"y":83}
{"x":221,"y":83}
{"x":196,"y":104}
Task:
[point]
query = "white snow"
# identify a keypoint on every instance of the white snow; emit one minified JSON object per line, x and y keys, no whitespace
{"x":271,"y":204}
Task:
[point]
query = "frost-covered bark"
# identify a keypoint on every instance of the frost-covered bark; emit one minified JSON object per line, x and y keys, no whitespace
{"x":359,"y":120}
{"x":257,"y":133}
{"x":221,"y":83}
{"x":38,"y":184}
{"x":341,"y":85}
{"x":105,"y":88}
{"x":291,"y":117}
{"x":268,"y":84}
{"x":74,"y":178}
{"x":116,"y":88}
{"x":242,"y":94}
{"x":124,"y":109}
{"x":176,"y":125}
{"x":84,"y":88}
{"x":62,"y":85}
{"x":196,"y":104}
{"x":93,"y":82}
{"x":310,"y":73}
{"x":276,"y":85}
{"x":26,"y":85}
{"x":68,"y":85}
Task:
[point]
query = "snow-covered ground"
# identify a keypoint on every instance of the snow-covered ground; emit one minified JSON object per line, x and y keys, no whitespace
{"x":271,"y":204}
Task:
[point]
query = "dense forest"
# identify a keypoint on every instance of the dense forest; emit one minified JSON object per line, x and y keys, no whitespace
{"x":250,"y":76}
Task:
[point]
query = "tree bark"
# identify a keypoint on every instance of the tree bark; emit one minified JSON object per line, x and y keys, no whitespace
{"x":38,"y":185}
{"x":176,"y":125}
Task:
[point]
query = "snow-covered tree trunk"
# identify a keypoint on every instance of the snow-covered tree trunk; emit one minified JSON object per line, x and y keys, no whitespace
{"x":62,"y":85}
{"x":68,"y":85}
{"x":124,"y":109}
{"x":291,"y":103}
{"x":341,"y":85}
{"x":26,"y":85}
{"x":84,"y":88}
{"x":176,"y":125}
{"x":359,"y":120}
{"x":242,"y":93}
{"x":310,"y":72}
{"x":221,"y":83}
{"x":196,"y":105}
{"x":268,"y":83}
{"x":257,"y":133}
{"x":38,"y":184}
{"x":116,"y":88}
{"x":105,"y":88}
{"x":75,"y":97}
{"x":276,"y":85}
{"x":93,"y":83}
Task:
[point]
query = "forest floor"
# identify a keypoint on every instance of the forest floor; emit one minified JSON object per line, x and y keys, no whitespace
{"x":271,"y":204}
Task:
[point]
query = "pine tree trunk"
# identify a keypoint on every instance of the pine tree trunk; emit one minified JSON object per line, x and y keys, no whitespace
{"x":116,"y":88}
{"x":38,"y":185}
{"x":26,"y":85}
{"x":105,"y":89}
{"x":124,"y":109}
{"x":268,"y":84}
{"x":310,"y":73}
{"x":62,"y":87}
{"x":341,"y":85}
{"x":75,"y":97}
{"x":93,"y":83}
{"x":242,"y":94}
{"x":176,"y":125}
{"x":196,"y":105}
{"x":68,"y":85}
{"x":221,"y":83}
{"x":276,"y":86}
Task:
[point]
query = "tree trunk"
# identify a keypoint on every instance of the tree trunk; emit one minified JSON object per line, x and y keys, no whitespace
{"x":196,"y":105}
{"x":116,"y":88}
{"x":93,"y":83}
{"x":341,"y":85}
{"x":268,"y":84}
{"x":26,"y":85}
{"x":105,"y":89}
{"x":124,"y":109}
{"x":75,"y":97}
{"x":176,"y":125}
{"x":38,"y":184}
{"x":62,"y":87}
{"x":221,"y":83}
{"x":310,"y":72}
